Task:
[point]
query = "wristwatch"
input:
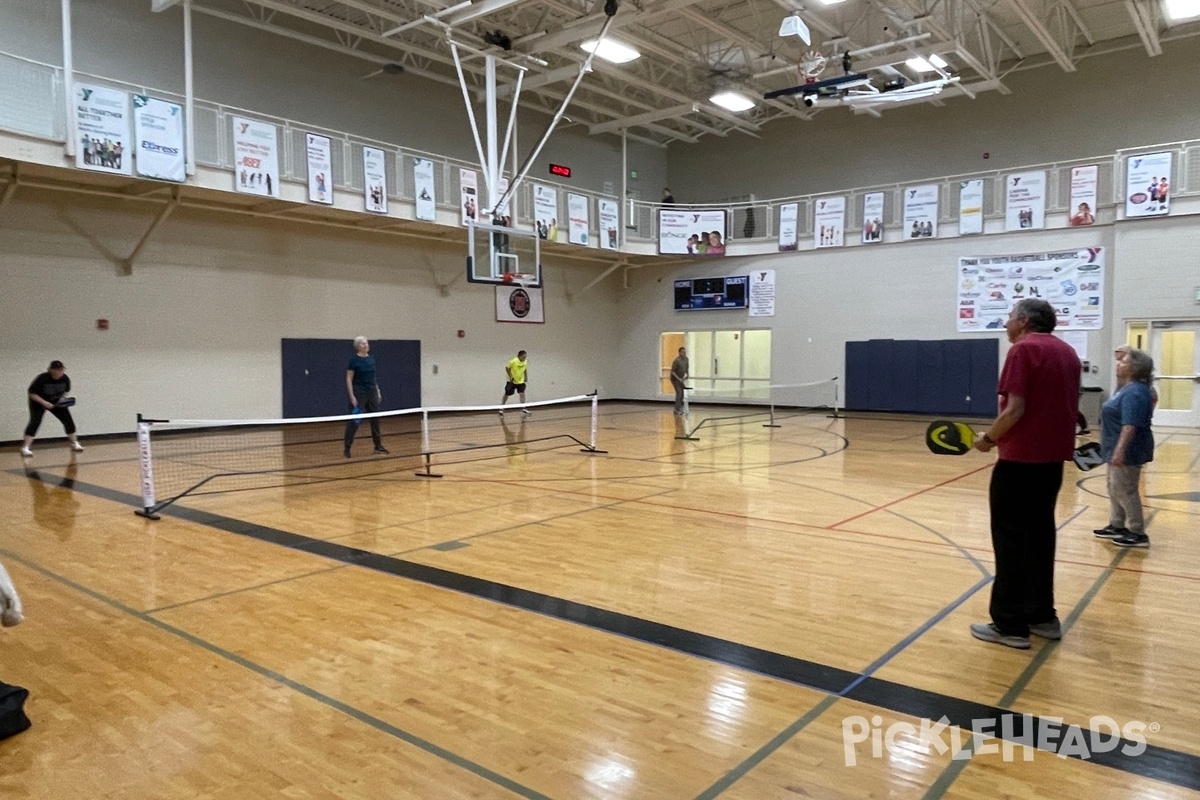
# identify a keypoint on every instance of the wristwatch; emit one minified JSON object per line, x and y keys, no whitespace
{"x":987,"y":437}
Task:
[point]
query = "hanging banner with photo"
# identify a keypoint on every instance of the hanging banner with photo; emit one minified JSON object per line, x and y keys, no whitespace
{"x":920,"y":212}
{"x":789,"y":218}
{"x":872,"y":218}
{"x":158,"y":131}
{"x":578,"y":219}
{"x":970,"y":207}
{"x":1148,"y":185}
{"x":608,"y":224}
{"x":374,"y":180}
{"x":255,"y":157}
{"x":519,"y":304}
{"x":696,"y":232}
{"x":319,"y":152}
{"x":505,"y":213}
{"x":424,"y":190}
{"x":829,"y":222}
{"x":468,"y":204}
{"x":762,"y":293}
{"x":1084,"y":181}
{"x":545,"y":212}
{"x":102,"y":125}
{"x":1072,"y":281}
{"x":1025,"y":201}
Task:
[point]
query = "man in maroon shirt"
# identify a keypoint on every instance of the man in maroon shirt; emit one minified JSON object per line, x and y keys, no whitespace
{"x":1039,"y":395}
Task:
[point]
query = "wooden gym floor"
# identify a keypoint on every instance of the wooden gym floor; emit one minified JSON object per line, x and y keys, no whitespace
{"x":671,"y":620}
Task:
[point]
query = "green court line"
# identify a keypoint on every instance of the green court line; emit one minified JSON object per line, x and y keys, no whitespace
{"x":349,"y":710}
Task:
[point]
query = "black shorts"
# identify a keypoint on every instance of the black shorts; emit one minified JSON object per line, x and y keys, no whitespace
{"x":511,"y":388}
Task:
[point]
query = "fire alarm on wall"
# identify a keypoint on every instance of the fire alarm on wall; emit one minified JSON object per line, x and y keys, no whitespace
{"x":101,"y":324}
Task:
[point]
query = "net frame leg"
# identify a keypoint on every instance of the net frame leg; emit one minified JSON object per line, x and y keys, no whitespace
{"x":772,"y":423}
{"x":688,"y":436}
{"x":425,"y":448}
{"x":149,"y":507}
{"x":591,"y":448}
{"x":428,"y":473}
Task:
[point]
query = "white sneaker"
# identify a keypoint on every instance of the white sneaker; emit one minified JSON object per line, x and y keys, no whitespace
{"x":26,"y":452}
{"x":77,"y":447}
{"x":526,"y":411}
{"x":501,"y":412}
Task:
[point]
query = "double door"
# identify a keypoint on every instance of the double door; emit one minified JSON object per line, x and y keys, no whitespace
{"x":725,"y":365}
{"x":1175,"y":347}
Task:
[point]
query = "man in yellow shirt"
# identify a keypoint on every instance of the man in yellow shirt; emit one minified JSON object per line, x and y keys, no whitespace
{"x":515,"y":369}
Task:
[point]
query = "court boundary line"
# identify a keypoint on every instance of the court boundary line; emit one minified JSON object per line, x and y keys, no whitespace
{"x":1159,"y":763}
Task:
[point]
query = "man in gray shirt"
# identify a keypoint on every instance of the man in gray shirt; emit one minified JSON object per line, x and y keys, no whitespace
{"x":679,"y":373}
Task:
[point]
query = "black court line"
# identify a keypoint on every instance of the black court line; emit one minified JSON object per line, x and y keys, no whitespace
{"x":1154,"y":762}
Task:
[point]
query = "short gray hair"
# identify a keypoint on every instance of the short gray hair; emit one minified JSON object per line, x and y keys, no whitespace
{"x":1040,"y":314}
{"x":359,"y":340}
{"x":1141,"y":365}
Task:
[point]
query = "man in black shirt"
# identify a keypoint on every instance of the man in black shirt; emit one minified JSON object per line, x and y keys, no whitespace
{"x":46,"y":393}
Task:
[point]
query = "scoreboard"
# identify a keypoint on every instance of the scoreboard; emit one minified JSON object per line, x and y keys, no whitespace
{"x":700,"y":294}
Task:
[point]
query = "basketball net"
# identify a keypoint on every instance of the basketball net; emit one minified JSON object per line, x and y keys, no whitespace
{"x":810,"y":66}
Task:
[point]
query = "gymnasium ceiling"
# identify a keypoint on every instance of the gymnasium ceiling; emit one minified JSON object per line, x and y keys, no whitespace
{"x":691,"y":48}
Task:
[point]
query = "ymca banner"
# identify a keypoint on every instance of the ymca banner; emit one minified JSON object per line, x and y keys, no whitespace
{"x":1148,"y":185}
{"x":920,"y":212}
{"x":762,"y":293}
{"x":374,"y":180}
{"x":545,"y":212}
{"x":1072,"y":281}
{"x":423,"y":188}
{"x":789,"y":217}
{"x":519,"y":304}
{"x":1084,"y":181}
{"x":1025,"y":201}
{"x":578,"y":219}
{"x":158,"y":131}
{"x":872,"y":218}
{"x":319,"y":151}
{"x":468,"y":183}
{"x":970,"y":207}
{"x":102,"y":124}
{"x":608,"y":224}
{"x":829,"y":222}
{"x":255,"y":157}
{"x":687,"y":233}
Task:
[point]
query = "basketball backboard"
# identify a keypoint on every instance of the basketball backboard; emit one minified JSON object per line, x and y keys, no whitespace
{"x":497,"y":255}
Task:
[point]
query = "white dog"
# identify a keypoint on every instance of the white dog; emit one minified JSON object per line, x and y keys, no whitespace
{"x":10,"y":603}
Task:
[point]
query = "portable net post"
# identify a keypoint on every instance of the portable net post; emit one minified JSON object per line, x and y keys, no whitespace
{"x":145,"y":469}
{"x":591,"y":447}
{"x":425,"y":448}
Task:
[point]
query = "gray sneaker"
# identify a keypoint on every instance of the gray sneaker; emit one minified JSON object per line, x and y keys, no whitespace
{"x":1131,"y":539}
{"x":1110,"y":532}
{"x":987,"y":632}
{"x":1047,"y":630}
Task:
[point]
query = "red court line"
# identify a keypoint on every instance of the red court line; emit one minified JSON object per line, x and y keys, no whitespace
{"x":917,"y":493}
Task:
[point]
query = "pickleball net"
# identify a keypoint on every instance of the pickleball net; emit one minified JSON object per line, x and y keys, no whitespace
{"x":191,"y":457}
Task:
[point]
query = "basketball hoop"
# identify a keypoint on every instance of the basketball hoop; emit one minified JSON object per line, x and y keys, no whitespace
{"x":811,"y":64}
{"x":519,"y":279}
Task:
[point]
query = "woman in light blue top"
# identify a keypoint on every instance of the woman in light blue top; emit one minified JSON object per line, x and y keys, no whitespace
{"x":1126,"y":443}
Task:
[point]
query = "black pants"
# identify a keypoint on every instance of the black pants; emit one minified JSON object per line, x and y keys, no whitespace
{"x":1022,"y":498}
{"x":37,"y":411}
{"x":367,"y":402}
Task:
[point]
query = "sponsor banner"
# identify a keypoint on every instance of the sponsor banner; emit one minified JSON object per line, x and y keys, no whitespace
{"x":1148,"y":185}
{"x":423,"y":187}
{"x":102,"y":128}
{"x":872,"y":218}
{"x":829,"y":222}
{"x":1084,"y":181}
{"x":255,"y":157}
{"x":158,"y":131}
{"x":691,"y":233}
{"x":762,"y":293}
{"x":545,"y":212}
{"x":970,"y":207}
{"x":1025,"y":201}
{"x":920,"y":212}
{"x":375,"y":180}
{"x":319,"y":152}
{"x":468,"y":205}
{"x":1072,"y":281}
{"x":789,"y":216}
{"x":578,"y":219}
{"x":519,"y":304}
{"x":608,"y":224}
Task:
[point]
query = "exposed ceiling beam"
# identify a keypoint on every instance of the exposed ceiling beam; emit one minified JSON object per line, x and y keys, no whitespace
{"x":1043,"y":34}
{"x":641,"y":119}
{"x":588,"y":26}
{"x":1145,"y":20}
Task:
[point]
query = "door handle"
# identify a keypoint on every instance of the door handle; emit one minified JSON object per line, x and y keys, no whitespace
{"x":716,"y":366}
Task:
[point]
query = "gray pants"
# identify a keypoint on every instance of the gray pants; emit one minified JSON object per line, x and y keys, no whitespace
{"x":678,"y":384}
{"x":1125,"y":504}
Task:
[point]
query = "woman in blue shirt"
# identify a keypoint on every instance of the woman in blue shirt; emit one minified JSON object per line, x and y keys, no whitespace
{"x":1126,"y":443}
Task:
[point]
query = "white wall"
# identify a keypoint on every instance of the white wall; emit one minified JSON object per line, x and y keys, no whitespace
{"x":195,"y":329}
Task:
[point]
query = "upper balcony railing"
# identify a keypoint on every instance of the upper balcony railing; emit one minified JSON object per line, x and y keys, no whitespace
{"x":32,"y":104}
